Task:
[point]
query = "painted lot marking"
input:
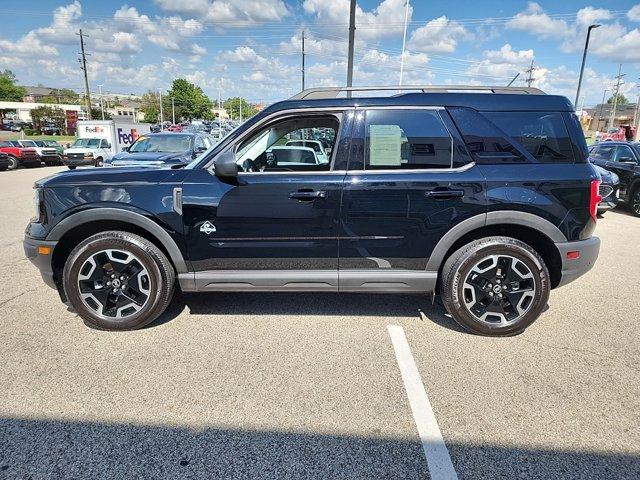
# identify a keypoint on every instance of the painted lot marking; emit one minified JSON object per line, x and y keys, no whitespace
{"x":435,"y":451}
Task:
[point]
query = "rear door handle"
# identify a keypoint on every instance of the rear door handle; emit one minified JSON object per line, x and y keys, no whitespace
{"x":307,"y":195}
{"x":444,"y":194}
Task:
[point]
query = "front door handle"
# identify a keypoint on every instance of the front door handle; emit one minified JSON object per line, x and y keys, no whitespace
{"x":444,"y":193}
{"x":307,"y":195}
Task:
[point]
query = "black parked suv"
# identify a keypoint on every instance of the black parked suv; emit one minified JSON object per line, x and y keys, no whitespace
{"x":482,"y":194}
{"x":622,"y":158}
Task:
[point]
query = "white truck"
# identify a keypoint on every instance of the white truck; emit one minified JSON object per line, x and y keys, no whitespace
{"x":99,"y":140}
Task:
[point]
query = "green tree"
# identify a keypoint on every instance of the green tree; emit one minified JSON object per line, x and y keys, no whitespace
{"x":622,"y":100}
{"x":149,"y":105}
{"x":233,"y":106}
{"x":8,"y":88}
{"x":48,"y":114}
{"x":96,"y":114}
{"x":189,"y":100}
{"x":61,"y":95}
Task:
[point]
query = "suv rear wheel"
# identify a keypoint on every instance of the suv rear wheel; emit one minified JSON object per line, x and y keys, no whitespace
{"x":495,"y":286}
{"x":118,"y":281}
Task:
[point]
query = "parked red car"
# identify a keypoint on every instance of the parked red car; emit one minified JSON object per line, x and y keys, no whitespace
{"x":620,"y":134}
{"x":19,"y":156}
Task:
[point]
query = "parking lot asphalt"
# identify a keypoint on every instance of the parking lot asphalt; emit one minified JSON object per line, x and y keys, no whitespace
{"x":307,"y":385}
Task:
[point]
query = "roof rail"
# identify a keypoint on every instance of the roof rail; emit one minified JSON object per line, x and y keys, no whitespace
{"x":333,"y":92}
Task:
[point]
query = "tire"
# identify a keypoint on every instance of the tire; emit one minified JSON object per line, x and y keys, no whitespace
{"x":13,"y":163}
{"x":98,"y":162}
{"x":71,"y":167}
{"x":635,"y":202}
{"x":490,"y":272}
{"x":85,"y":278}
{"x":3,"y":169}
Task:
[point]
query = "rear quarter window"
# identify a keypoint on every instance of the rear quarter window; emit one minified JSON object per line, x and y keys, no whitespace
{"x":515,"y":137}
{"x":543,"y":134}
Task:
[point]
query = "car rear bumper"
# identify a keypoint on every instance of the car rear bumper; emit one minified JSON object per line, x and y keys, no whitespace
{"x":573,"y":268}
{"x":40,"y":259}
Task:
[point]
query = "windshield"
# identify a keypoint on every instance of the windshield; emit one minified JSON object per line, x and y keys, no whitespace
{"x":303,"y":143}
{"x":86,"y":142}
{"x":39,"y":143}
{"x":162,"y":143}
{"x":28,"y":143}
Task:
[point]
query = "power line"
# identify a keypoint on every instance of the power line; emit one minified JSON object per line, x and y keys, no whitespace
{"x":529,"y":71}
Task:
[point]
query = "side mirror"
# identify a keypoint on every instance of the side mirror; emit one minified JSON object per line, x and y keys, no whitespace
{"x":125,"y":149}
{"x":225,"y":165}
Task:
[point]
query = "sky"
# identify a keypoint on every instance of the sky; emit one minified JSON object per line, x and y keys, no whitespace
{"x":252,"y":48}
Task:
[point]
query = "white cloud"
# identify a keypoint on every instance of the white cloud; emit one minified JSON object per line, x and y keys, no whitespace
{"x":228,"y":13}
{"x":118,"y":42}
{"x":501,"y":64}
{"x":634,"y":13}
{"x":535,"y":21}
{"x":589,"y":15}
{"x":62,"y":30}
{"x":29,"y":45}
{"x":439,"y":35}
{"x":386,"y":20}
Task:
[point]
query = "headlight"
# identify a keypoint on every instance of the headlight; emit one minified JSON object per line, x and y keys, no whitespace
{"x":38,"y":205}
{"x":89,"y":154}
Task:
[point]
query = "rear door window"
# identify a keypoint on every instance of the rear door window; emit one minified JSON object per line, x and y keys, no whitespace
{"x":406,"y":139}
{"x":603,"y":152}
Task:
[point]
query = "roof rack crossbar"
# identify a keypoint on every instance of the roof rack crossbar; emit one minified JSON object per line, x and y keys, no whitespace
{"x":333,"y":92}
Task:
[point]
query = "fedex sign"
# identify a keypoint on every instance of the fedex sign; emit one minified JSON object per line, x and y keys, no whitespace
{"x":125,"y":138}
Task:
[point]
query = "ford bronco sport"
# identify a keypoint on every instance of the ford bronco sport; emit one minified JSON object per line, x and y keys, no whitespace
{"x":481,"y":194}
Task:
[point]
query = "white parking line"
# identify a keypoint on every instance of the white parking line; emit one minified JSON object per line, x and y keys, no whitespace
{"x":435,"y":451}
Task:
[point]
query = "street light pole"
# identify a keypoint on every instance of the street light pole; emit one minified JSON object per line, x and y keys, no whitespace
{"x":404,"y":39}
{"x":584,"y":59}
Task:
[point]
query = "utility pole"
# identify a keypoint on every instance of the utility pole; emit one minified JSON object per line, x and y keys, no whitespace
{"x":584,"y":59}
{"x":529,"y":71}
{"x":615,"y":95}
{"x":87,"y":96}
{"x":352,"y":34}
{"x":101,"y":104}
{"x":173,"y":110}
{"x":302,"y":59}
{"x":404,"y":39}
{"x":604,"y":94}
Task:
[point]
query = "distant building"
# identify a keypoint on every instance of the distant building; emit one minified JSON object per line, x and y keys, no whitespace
{"x":600,"y":116}
{"x":36,"y":94}
{"x":220,"y":113}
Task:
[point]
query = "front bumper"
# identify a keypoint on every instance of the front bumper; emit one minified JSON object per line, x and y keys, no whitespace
{"x":574,"y":268}
{"x":78,"y":162}
{"x":40,"y":260}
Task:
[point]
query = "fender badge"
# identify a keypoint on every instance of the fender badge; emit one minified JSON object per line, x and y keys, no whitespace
{"x":208,"y":227}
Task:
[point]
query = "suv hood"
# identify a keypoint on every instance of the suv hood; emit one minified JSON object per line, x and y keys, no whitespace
{"x":150,"y":158}
{"x":101,"y":177}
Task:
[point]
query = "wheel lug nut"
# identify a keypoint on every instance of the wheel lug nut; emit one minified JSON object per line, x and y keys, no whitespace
{"x":108,"y":283}
{"x":122,"y":278}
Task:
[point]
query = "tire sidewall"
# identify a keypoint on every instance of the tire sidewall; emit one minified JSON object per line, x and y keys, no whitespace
{"x":89,"y":247}
{"x":13,"y":163}
{"x":464,"y":265}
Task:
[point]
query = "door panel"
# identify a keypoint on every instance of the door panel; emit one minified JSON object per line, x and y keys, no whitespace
{"x":391,"y":219}
{"x":625,"y":171}
{"x":266,"y":220}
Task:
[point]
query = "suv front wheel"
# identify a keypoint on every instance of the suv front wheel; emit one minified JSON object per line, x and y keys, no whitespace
{"x":118,"y":281}
{"x":495,"y":286}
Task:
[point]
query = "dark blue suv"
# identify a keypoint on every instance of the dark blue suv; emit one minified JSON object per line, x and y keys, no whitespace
{"x":481,"y":194}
